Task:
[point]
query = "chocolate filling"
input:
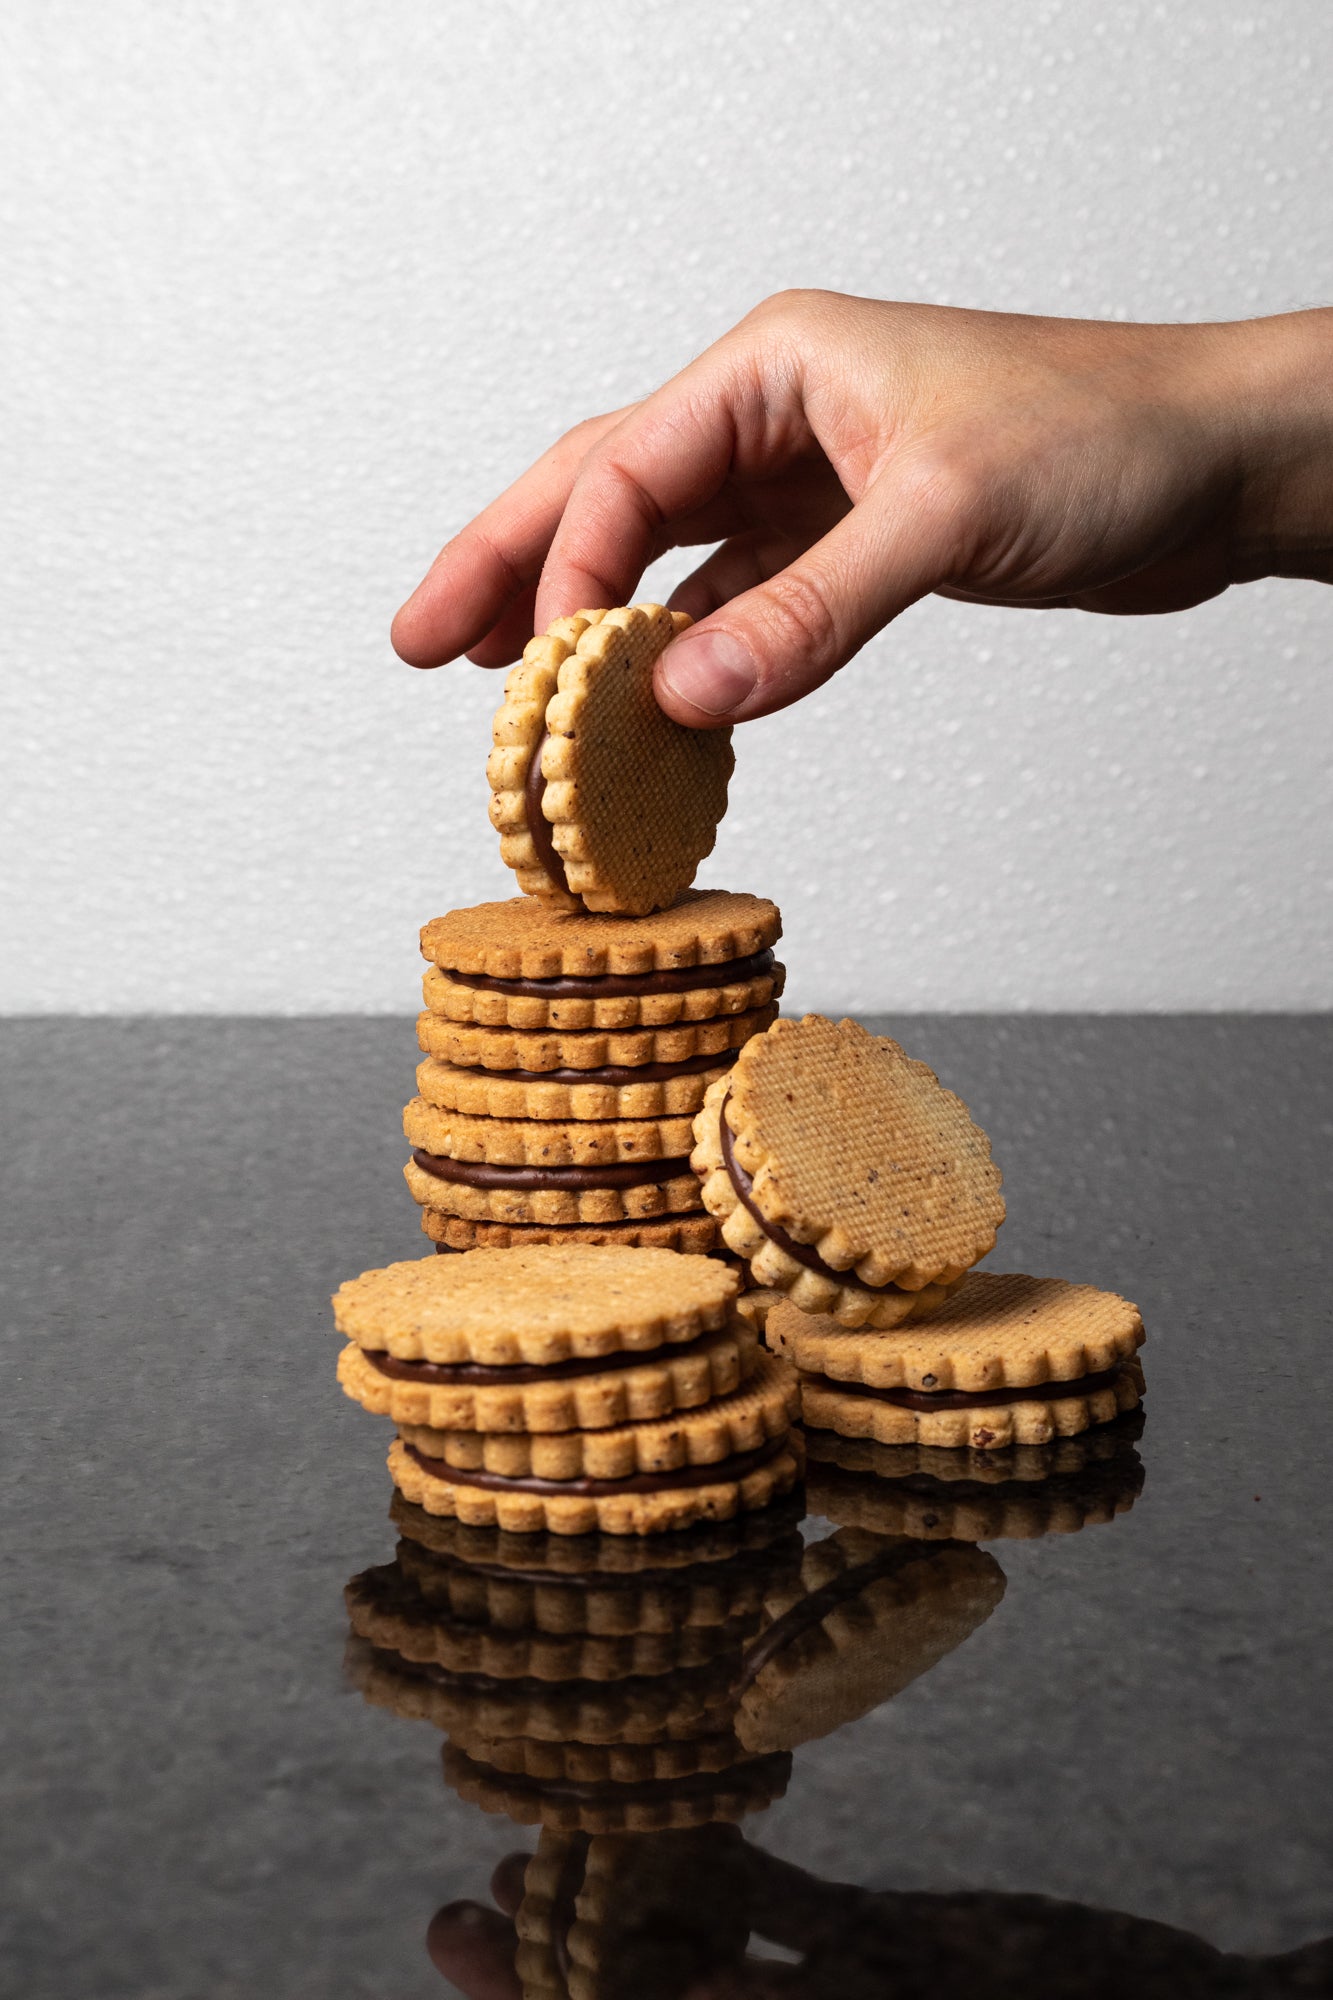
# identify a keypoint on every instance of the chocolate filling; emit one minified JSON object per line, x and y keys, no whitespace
{"x":534,"y":786}
{"x":812,"y":1610}
{"x":612,"y":985}
{"x":468,"y":1373}
{"x":621,"y":1073}
{"x":620,"y":1174}
{"x":723,"y":1470}
{"x":802,"y":1252}
{"x":971,"y":1399}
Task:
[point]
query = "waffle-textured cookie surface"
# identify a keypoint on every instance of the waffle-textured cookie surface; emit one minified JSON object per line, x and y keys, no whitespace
{"x":633,"y":799}
{"x":550,"y":1302}
{"x":525,"y":939}
{"x":1001,"y":1329}
{"x":856,"y":1151}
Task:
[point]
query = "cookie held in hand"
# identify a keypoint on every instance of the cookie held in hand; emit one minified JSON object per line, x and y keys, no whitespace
{"x":599,"y":798}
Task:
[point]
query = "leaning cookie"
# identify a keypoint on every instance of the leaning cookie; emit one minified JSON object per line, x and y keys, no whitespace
{"x":733,"y":1455}
{"x":845,"y":1173}
{"x":596,"y":794}
{"x":1008,"y":1360}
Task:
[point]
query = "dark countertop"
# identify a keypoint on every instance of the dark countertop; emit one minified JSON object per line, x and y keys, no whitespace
{"x":196,"y":1803}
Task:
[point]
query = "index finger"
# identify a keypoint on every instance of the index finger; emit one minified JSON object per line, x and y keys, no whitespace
{"x":663,"y":462}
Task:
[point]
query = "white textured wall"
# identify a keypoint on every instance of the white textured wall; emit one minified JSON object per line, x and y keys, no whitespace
{"x":289,"y":290}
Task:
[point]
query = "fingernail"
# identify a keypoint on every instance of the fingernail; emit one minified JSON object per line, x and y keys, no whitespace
{"x":712,"y":671}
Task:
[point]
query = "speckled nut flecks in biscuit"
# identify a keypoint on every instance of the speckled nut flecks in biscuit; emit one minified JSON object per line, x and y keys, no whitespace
{"x":596,"y":794}
{"x":588,"y":1395}
{"x":522,"y":964}
{"x":544,"y":1142}
{"x":534,"y":1306}
{"x":845,"y":1172}
{"x":1009,"y":1360}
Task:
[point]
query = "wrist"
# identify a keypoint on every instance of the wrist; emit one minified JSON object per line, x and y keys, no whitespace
{"x":1277,"y":385}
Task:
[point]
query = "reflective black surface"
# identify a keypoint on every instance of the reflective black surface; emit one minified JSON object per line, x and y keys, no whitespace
{"x":198,"y":1801}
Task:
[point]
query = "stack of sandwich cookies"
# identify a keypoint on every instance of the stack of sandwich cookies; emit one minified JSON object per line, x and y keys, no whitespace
{"x":845,"y":1174}
{"x":600,"y":800}
{"x":571,"y":1388}
{"x":566,"y":1056}
{"x":1007,"y":1360}
{"x":1005,"y":1493}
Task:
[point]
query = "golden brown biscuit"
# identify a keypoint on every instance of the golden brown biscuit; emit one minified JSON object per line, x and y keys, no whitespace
{"x":752,"y":983}
{"x":1037,"y":1417}
{"x":630,"y":1095}
{"x":533,"y":1306}
{"x":999,"y":1330}
{"x":595,"y":792}
{"x":558,"y":1196}
{"x":531,"y":1052}
{"x":544,"y":1142}
{"x":844,"y":1171}
{"x":571,"y":1395}
{"x":694,"y":1235}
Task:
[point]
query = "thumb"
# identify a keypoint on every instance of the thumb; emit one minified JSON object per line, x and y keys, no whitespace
{"x":788,"y":635}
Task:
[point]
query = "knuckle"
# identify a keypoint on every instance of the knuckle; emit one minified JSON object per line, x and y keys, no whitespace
{"x":800,"y":619}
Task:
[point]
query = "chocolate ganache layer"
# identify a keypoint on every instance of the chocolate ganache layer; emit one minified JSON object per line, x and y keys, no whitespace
{"x":534,"y":785}
{"x":722,"y":1471}
{"x":477,"y":1374}
{"x":802,"y":1252}
{"x":970,"y":1399}
{"x":619,"y":1174}
{"x":612,"y":985}
{"x":620,"y":1072}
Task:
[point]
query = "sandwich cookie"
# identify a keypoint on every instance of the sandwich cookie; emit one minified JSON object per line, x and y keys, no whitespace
{"x":522,"y":964}
{"x":1008,"y":1360}
{"x":730,"y":1455}
{"x":866,"y":1616}
{"x":544,"y":1339}
{"x":598,"y":797}
{"x":1015,"y":1492}
{"x":846,"y":1174}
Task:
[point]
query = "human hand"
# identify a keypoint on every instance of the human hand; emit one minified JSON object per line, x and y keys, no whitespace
{"x":853,"y":455}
